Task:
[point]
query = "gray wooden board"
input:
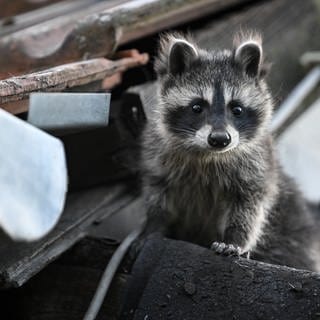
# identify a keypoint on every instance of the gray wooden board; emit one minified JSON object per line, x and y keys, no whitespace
{"x":20,"y":261}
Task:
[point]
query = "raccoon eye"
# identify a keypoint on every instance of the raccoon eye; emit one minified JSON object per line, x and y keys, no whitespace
{"x":237,"y":111}
{"x":196,"y":108}
{"x":236,"y":108}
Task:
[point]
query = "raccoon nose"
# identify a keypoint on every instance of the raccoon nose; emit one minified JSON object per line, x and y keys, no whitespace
{"x":219,"y":139}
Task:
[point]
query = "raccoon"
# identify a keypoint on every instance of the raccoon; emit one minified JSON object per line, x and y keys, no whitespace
{"x":211,"y":175}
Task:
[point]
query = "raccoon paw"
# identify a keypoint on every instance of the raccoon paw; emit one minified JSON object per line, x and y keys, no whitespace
{"x":226,"y":249}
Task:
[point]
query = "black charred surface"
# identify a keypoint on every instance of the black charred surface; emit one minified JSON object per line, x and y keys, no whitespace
{"x":168,"y":280}
{"x":191,"y":282}
{"x":65,"y":288}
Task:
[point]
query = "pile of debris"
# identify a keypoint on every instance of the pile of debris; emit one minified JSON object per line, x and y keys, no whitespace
{"x":78,"y":50}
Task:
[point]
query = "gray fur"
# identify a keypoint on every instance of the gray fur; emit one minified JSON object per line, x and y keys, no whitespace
{"x":238,"y":196}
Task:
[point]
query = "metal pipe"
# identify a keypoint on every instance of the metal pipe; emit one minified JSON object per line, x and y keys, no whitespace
{"x":294,"y":100}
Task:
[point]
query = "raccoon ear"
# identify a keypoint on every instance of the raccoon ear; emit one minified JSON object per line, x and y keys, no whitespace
{"x":249,"y":55}
{"x":181,"y":55}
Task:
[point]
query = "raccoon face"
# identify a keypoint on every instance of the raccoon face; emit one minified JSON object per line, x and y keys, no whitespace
{"x":213,"y":101}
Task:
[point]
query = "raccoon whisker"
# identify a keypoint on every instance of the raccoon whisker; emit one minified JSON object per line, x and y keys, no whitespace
{"x":184,"y":130}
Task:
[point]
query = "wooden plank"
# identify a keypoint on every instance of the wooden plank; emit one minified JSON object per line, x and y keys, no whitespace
{"x":97,"y":31}
{"x":144,"y":17}
{"x":23,"y":260}
{"x":36,"y":16}
{"x":58,"y":41}
{"x":62,"y":77}
{"x":13,"y":7}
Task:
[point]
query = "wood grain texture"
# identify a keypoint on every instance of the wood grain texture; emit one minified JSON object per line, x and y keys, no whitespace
{"x":61,"y":78}
{"x":13,"y":7}
{"x":96,"y":31}
{"x":48,"y":10}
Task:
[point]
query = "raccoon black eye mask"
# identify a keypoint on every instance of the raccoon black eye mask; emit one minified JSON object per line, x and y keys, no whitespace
{"x":211,"y":174}
{"x":198,"y":123}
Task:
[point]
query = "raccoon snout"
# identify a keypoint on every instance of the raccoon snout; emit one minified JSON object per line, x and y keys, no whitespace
{"x":219,"y":139}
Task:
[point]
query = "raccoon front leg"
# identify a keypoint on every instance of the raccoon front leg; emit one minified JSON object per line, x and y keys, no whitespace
{"x":243,"y":230}
{"x":225,"y":249}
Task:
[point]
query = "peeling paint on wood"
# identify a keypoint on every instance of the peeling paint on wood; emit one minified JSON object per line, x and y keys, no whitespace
{"x":62,"y":77}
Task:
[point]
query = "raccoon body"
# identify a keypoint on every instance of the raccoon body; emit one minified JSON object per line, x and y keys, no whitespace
{"x":210,"y":170}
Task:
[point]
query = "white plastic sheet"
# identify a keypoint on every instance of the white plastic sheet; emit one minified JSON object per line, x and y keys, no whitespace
{"x":33,"y":179}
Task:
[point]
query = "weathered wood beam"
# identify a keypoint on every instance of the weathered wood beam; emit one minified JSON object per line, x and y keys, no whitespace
{"x":143,"y":17}
{"x":51,"y":9}
{"x":97,"y":31}
{"x":62,"y":77}
{"x":58,"y":41}
{"x":13,"y":7}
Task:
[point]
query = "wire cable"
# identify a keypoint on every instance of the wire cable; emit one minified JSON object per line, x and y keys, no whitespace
{"x":108,"y":275}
